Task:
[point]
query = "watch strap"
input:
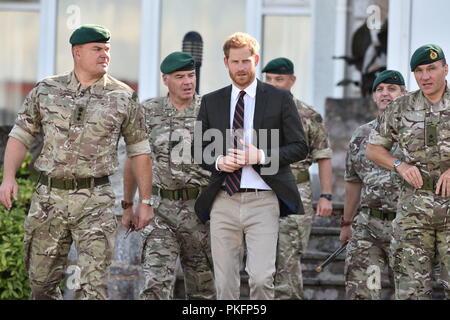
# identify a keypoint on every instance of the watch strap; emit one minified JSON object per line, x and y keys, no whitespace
{"x":125,"y":205}
{"x":345,"y":223}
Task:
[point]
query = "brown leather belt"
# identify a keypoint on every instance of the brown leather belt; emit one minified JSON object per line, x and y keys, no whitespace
{"x":72,"y":184}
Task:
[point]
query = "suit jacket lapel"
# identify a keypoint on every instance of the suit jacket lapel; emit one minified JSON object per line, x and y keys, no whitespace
{"x":223,"y":110}
{"x":260,"y":105}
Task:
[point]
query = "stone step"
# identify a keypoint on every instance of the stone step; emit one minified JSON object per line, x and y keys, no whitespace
{"x":324,"y":239}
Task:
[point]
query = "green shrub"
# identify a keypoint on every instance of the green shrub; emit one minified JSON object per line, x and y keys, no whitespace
{"x":14,"y":282}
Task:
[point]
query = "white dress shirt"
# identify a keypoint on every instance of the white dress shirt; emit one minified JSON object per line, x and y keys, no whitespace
{"x":250,"y":178}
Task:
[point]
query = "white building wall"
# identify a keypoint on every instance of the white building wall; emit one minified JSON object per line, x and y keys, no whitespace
{"x":414,"y":23}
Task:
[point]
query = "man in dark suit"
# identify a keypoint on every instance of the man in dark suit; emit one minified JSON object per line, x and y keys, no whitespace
{"x":251,"y":183}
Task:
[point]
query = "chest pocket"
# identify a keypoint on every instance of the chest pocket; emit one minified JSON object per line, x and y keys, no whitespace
{"x":412,"y":132}
{"x":180,"y":140}
{"x":444,"y":140}
{"x":103,"y":118}
{"x":159,"y":134}
{"x":56,"y":112}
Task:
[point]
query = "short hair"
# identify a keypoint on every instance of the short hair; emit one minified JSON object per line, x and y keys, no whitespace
{"x":403,"y":88}
{"x":240,"y":40}
{"x":444,"y":62}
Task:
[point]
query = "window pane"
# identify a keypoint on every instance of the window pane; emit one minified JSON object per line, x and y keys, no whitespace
{"x":20,"y":2}
{"x":122,"y":18}
{"x":215,"y":21}
{"x":18,"y":60}
{"x":287,"y":3}
{"x":290,"y":37}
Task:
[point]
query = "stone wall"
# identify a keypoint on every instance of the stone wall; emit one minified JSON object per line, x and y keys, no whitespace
{"x":343,"y":117}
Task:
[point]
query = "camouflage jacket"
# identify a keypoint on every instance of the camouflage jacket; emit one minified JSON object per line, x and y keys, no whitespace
{"x":81,"y":126}
{"x":315,"y":135}
{"x":170,"y":134}
{"x":381,"y":187}
{"x":408,"y":121}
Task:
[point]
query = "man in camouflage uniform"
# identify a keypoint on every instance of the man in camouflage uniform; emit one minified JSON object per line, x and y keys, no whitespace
{"x":375,"y":190}
{"x":420,"y":123}
{"x":295,"y":230}
{"x":176,"y":230}
{"x":81,"y":115}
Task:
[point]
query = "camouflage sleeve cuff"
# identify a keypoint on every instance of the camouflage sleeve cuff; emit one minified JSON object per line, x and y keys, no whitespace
{"x":22,"y":135}
{"x":352,"y":179}
{"x":322,"y":154}
{"x":138,"y":149}
{"x":376,"y":139}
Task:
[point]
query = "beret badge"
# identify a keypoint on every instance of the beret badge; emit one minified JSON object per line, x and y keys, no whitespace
{"x":433,"y":55}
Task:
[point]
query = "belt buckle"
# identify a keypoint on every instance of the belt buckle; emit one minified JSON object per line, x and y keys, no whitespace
{"x":68,"y":184}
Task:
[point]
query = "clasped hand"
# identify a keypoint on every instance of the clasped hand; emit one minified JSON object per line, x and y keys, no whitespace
{"x":237,"y":159}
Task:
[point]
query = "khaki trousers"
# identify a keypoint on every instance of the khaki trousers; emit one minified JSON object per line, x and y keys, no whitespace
{"x":251,"y":217}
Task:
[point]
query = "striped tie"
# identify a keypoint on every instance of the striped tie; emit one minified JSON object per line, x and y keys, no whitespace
{"x":233,"y":180}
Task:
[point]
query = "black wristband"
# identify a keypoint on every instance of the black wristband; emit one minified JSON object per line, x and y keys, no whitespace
{"x":327,"y":196}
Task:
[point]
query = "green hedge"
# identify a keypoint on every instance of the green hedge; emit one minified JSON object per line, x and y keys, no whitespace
{"x":14,"y":282}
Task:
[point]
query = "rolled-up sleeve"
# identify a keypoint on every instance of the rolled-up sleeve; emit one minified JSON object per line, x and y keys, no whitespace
{"x":139,"y":148}
{"x":319,"y":144}
{"x":384,"y":134}
{"x":28,"y":122}
{"x":134,"y":131}
{"x":350,"y":172}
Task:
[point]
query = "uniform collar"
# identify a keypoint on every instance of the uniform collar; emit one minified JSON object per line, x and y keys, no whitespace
{"x":443,"y":104}
{"x":168,"y":105}
{"x":96,"y":88}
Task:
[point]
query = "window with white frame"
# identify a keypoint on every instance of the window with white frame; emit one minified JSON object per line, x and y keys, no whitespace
{"x":19,"y":22}
{"x":122,"y":18}
{"x":214,"y":21}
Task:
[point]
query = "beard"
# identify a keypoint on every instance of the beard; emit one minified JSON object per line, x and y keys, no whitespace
{"x":243,"y":78}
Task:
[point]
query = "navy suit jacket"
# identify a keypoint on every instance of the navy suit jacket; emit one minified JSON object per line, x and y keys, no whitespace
{"x":274,"y":110}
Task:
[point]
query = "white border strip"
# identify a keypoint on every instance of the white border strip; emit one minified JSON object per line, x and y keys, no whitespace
{"x":340,"y":46}
{"x":14,"y":6}
{"x":47,"y":40}
{"x":149,"y":49}
{"x":253,"y":25}
{"x":399,"y":39}
{"x":288,"y":11}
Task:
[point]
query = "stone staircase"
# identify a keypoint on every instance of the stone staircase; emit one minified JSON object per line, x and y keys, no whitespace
{"x":329,"y":284}
{"x":126,"y":278}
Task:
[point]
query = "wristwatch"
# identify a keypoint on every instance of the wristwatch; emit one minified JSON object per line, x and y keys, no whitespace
{"x":126,"y":205}
{"x":329,"y":197}
{"x":396,"y":164}
{"x":152,"y":202}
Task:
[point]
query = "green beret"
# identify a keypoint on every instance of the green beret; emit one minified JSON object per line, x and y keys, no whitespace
{"x":425,"y":55}
{"x":279,"y":66}
{"x":390,"y":77}
{"x":90,"y":33}
{"x":177,"y":61}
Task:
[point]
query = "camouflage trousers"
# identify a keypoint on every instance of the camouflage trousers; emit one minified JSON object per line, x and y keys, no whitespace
{"x":368,"y":255}
{"x":177,"y":232}
{"x":421,"y":235}
{"x":55,"y":220}
{"x":293,"y":237}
